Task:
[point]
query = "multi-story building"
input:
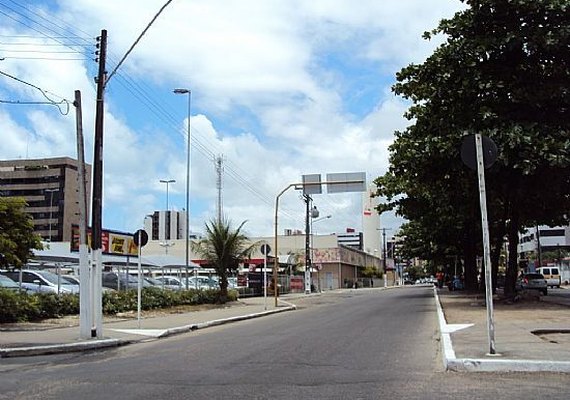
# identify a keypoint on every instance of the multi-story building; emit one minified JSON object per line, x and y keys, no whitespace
{"x":51,"y":190}
{"x":166,"y":225}
{"x":351,"y":239}
{"x":538,"y":240}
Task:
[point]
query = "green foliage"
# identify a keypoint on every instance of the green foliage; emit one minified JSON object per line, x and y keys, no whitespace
{"x":24,"y":307}
{"x":502,"y":71}
{"x":17,"y":237}
{"x":371,"y":272}
{"x":224,"y":248}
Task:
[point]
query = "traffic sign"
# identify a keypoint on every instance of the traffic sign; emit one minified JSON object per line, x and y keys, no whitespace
{"x":143,"y":237}
{"x":265,"y":249}
{"x":469,"y":155}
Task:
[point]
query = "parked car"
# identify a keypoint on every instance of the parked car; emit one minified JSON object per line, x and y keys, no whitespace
{"x":7,"y":283}
{"x":121,"y":281}
{"x":171,"y":282}
{"x":40,"y":281}
{"x":74,"y":279}
{"x":202,"y":283}
{"x":532,"y":281}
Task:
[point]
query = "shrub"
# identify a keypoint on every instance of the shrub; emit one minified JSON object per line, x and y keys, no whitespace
{"x":23,"y":307}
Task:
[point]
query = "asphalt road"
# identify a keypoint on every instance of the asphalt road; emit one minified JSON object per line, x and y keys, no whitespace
{"x":363,"y":344}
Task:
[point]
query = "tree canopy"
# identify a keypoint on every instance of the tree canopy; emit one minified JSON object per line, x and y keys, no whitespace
{"x":17,"y":237}
{"x":502,"y":71}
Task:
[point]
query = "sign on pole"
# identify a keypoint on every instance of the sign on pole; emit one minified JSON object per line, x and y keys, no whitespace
{"x":346,"y":182}
{"x":312,"y":184}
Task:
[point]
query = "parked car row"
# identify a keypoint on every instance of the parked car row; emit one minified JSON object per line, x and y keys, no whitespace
{"x":41,"y":281}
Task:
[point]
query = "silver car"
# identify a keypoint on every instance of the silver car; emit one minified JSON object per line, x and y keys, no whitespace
{"x":532,"y":281}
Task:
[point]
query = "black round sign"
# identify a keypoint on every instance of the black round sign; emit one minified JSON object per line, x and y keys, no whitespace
{"x":469,"y":152}
{"x":143,"y":237}
{"x":265,"y":249}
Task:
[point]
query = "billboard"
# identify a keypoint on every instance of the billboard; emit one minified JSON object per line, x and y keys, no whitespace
{"x":112,"y":242}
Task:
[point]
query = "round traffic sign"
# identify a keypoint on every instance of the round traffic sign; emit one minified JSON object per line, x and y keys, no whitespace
{"x":265,"y":249}
{"x":141,"y":233}
{"x":469,"y":152}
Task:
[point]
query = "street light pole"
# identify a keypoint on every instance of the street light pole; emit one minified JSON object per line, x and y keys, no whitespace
{"x":50,"y":191}
{"x":168,"y":182}
{"x":188,"y":133}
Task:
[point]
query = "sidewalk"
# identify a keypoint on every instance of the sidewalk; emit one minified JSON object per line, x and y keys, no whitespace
{"x":530,"y":335}
{"x":37,"y":340}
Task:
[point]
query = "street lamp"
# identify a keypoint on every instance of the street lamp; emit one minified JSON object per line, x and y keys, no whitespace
{"x":188,"y":132}
{"x":168,"y":182}
{"x":51,"y":192}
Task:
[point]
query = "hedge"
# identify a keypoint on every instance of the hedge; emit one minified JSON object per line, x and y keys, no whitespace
{"x":25,"y":307}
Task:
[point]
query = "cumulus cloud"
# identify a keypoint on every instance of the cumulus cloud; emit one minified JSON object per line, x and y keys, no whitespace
{"x":279,"y":88}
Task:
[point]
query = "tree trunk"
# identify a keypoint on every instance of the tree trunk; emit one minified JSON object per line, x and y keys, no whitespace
{"x":512,"y":267}
{"x":470,"y":261}
{"x":497,"y":240}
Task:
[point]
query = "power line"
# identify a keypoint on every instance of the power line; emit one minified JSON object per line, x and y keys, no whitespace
{"x":43,"y":92}
{"x":199,"y":142}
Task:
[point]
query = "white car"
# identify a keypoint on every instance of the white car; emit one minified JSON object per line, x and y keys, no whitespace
{"x":202,"y":283}
{"x":43,"y":281}
{"x":171,"y":282}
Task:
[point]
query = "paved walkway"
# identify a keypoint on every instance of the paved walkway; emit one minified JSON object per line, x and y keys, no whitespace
{"x":532,"y":335}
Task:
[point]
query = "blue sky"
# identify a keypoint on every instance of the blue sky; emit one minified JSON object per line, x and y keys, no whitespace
{"x":280,"y":88}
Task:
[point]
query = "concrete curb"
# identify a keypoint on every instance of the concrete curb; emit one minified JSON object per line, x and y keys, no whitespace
{"x":61,"y":348}
{"x":451,"y":363}
{"x":104,"y":343}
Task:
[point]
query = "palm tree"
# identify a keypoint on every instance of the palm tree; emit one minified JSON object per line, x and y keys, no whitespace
{"x":224,"y":249}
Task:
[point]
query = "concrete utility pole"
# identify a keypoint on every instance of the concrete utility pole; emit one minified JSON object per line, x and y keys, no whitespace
{"x":85,"y":311}
{"x":96,"y":215}
{"x":219,"y":161}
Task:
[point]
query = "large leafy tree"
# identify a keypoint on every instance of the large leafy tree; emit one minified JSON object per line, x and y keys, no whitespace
{"x":504,"y":72}
{"x":224,"y":248}
{"x":17,"y":237}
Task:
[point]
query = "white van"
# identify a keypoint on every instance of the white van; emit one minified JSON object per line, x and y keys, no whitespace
{"x":551,"y":274}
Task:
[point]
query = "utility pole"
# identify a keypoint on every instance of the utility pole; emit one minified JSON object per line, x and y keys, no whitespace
{"x":219,"y":161}
{"x":384,"y":254}
{"x":96,"y":220}
{"x":85,"y":309}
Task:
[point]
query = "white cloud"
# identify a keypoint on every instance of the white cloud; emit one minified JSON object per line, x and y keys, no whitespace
{"x":273,"y":91}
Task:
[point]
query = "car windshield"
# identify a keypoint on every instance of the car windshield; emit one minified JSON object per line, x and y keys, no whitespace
{"x":52,"y":278}
{"x":70,"y":280}
{"x":534,"y":276}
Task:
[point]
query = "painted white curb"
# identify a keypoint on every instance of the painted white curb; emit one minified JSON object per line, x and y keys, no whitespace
{"x":452,"y":363}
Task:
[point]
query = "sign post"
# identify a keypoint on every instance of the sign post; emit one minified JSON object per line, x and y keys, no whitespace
{"x":140,"y":238}
{"x":486,"y":154}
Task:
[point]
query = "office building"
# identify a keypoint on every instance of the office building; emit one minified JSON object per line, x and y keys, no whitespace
{"x":50,"y":188}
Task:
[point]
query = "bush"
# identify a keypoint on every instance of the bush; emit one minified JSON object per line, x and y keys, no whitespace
{"x":23,"y":307}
